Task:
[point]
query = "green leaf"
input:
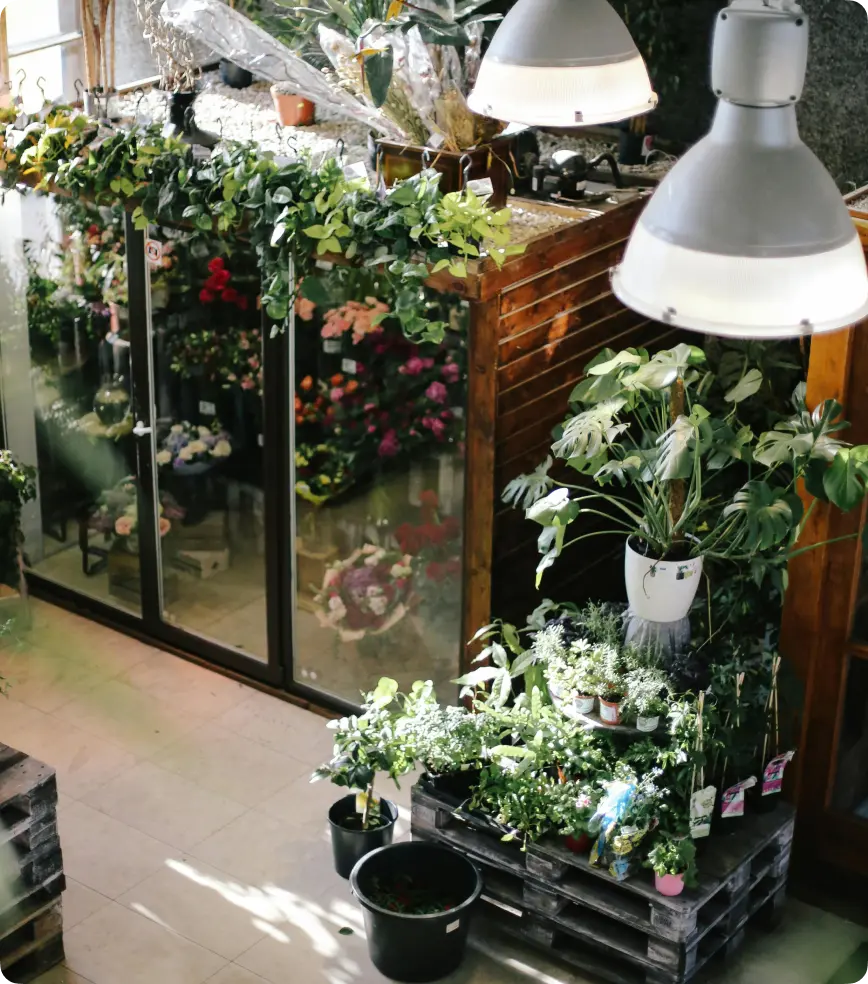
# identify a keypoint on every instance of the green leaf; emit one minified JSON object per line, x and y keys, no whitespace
{"x":677,"y":446}
{"x":845,"y":479}
{"x":317,"y":232}
{"x":277,"y":233}
{"x":282,"y":196}
{"x":378,"y":74}
{"x":481,"y":675}
{"x":749,"y":384}
{"x":314,"y":289}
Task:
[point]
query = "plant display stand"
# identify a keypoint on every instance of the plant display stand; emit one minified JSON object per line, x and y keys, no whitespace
{"x":625,"y":932}
{"x":31,"y":864}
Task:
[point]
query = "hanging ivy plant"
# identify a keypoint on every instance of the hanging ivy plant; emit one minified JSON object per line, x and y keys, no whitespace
{"x":288,"y":209}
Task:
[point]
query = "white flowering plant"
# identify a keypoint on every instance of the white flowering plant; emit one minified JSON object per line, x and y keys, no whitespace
{"x":185,"y":445}
{"x":365,"y":594}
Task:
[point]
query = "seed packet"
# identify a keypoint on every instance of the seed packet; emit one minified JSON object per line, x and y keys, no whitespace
{"x":732,"y":801}
{"x":701,"y":810}
{"x":773,"y":774}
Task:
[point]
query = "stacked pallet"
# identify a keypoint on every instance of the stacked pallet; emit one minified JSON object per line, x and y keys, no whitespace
{"x":31,"y":868}
{"x":624,"y":932}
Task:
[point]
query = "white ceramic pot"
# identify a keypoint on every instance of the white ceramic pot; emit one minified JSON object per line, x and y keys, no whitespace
{"x":660,"y":590}
{"x":647,"y":723}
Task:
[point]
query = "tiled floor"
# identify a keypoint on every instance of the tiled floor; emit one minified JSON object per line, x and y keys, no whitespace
{"x":195,"y":849}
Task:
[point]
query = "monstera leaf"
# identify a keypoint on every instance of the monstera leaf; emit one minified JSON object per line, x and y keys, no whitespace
{"x":665,"y":367}
{"x":765,"y":516}
{"x":749,"y":384}
{"x":589,"y":433}
{"x":844,"y":481}
{"x":804,"y":435}
{"x":525,"y":490}
{"x":677,"y":448}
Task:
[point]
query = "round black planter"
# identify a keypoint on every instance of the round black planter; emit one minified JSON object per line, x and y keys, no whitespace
{"x":349,"y":845}
{"x":413,"y":948}
{"x":235,"y":76}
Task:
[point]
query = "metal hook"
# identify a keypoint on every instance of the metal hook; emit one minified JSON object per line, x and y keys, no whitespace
{"x":78,"y":85}
{"x":426,"y":158}
{"x":465,"y":168}
{"x":21,"y":81}
{"x":142,"y":95}
{"x":252,"y":138}
{"x":188,"y":117}
{"x":41,"y":83}
{"x":279,"y":130}
{"x":219,"y":122}
{"x":340,"y":147}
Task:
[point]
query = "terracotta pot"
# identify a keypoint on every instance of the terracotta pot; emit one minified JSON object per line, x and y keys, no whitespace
{"x":610,"y":711}
{"x":669,"y":884}
{"x":578,"y":845}
{"x":660,"y":590}
{"x":292,"y":109}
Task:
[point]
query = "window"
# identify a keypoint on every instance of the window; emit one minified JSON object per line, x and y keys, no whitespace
{"x":43,"y":40}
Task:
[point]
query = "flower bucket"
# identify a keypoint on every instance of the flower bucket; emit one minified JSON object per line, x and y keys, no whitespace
{"x":647,"y":723}
{"x":293,"y":109}
{"x":406,"y":946}
{"x":669,"y":884}
{"x":610,"y":711}
{"x":660,"y":590}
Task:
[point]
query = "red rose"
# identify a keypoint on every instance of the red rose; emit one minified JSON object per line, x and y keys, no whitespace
{"x":230,"y":295}
{"x":428,"y":497}
{"x":221,"y":278}
{"x":241,"y":302}
{"x":206,"y":296}
{"x":216,"y":264}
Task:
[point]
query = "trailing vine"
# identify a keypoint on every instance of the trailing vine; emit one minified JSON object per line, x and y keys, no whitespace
{"x":288,"y":209}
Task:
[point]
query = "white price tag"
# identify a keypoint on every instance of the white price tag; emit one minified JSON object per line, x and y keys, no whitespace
{"x":436,"y":141}
{"x":457,"y":412}
{"x":260,"y":440}
{"x":357,"y":172}
{"x":349,"y":366}
{"x":481,"y":186}
{"x":324,"y":265}
{"x":453,"y":926}
{"x":154,"y":251}
{"x":332,"y":346}
{"x":209,"y":409}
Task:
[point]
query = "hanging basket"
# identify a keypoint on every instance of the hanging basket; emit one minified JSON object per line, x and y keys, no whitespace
{"x":660,"y":590}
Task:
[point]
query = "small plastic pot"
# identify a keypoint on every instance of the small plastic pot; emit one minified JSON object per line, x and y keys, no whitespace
{"x":292,"y":109}
{"x":578,"y":845}
{"x":417,"y":948}
{"x":669,"y":884}
{"x":348,"y":845}
{"x":234,"y":76}
{"x":610,"y":711}
{"x":647,"y":723}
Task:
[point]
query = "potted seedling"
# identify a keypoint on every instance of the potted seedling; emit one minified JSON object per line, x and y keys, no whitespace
{"x":292,"y":109}
{"x":673,"y":863}
{"x":365,"y":746}
{"x":570,"y":670}
{"x":611,"y":684}
{"x":647,"y":690}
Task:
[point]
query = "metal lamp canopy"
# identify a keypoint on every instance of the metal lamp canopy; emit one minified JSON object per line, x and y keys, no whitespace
{"x":748,"y":236}
{"x":562,"y":63}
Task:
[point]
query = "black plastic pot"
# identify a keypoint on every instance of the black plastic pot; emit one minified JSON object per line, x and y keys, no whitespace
{"x":349,"y":845}
{"x":415,"y":948}
{"x":235,"y":76}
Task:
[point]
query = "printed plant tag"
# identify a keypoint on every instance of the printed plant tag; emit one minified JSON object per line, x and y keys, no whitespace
{"x":358,"y":172}
{"x":349,"y":367}
{"x":453,"y":926}
{"x":436,"y":140}
{"x":732,"y":801}
{"x":324,"y":265}
{"x":154,"y":252}
{"x":207,"y":408}
{"x":332,"y":346}
{"x":701,"y":809}
{"x":481,"y":187}
{"x":773,"y":774}
{"x":361,"y":799}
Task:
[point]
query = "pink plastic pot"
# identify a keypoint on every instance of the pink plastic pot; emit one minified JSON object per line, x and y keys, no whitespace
{"x":669,"y":884}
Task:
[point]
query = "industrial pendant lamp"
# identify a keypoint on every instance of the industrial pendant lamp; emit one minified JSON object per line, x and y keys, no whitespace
{"x":562,"y":63}
{"x":747,"y":236}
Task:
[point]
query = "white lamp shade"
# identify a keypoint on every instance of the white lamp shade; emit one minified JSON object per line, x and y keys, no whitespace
{"x":747,"y":236}
{"x":562,"y":63}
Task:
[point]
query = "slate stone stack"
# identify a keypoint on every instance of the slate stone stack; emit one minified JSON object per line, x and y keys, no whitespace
{"x":624,"y":932}
{"x":31,"y":868}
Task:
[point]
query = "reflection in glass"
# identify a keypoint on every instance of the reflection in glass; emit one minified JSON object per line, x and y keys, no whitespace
{"x":208,"y":444}
{"x":851,"y":778}
{"x":67,"y":384}
{"x":379,"y":481}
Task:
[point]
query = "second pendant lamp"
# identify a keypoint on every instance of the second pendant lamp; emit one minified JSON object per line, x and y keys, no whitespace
{"x":562,"y":63}
{"x":748,"y":236}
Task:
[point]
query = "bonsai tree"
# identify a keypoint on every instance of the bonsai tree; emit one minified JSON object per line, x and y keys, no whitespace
{"x":699,"y":481}
{"x":367,"y":745}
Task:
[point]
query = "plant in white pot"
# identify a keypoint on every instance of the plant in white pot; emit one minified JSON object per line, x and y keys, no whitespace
{"x":646,"y":699}
{"x":666,"y":463}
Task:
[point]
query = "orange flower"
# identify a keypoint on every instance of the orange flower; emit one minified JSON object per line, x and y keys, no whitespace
{"x":337,"y":379}
{"x":298,"y":403}
{"x":307,"y":383}
{"x":299,"y":419}
{"x":351,"y":386}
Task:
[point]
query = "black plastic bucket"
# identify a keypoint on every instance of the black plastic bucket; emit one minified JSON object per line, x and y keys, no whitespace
{"x":418,"y":948}
{"x":349,"y":845}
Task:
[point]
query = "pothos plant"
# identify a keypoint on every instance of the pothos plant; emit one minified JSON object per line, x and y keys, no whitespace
{"x":292,"y":212}
{"x":699,"y":481}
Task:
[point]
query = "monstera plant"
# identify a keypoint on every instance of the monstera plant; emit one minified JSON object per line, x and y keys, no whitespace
{"x":664,"y":458}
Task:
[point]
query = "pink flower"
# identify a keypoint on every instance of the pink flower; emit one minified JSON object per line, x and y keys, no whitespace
{"x":247,"y":383}
{"x":336,"y":394}
{"x":450,"y":372}
{"x":123,"y":526}
{"x":372,"y":429}
{"x":390,"y":445}
{"x":413,"y":366}
{"x":436,"y":426}
{"x":165,"y":526}
{"x":436,"y":392}
{"x":253,"y":361}
{"x":304,"y":308}
{"x":370,"y":406}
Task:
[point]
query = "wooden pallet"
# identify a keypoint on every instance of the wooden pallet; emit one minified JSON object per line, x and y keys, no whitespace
{"x":559,"y":895}
{"x":33,"y":944}
{"x":28,"y":789}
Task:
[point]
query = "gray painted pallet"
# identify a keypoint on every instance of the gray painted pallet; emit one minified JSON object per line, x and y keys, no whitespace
{"x":558,"y":896}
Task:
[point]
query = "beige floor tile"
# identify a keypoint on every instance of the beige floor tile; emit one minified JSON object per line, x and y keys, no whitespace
{"x":228,"y":764}
{"x":201,"y":903}
{"x":184,"y":686}
{"x":118,"y":712}
{"x":303,"y":802}
{"x":18,"y":721}
{"x":80,"y":902}
{"x":83,"y":761}
{"x":119,"y":946}
{"x":282,"y":726}
{"x":46,"y":679}
{"x":233,"y":974}
{"x":89,"y":646}
{"x":61,"y":975}
{"x":106,"y":855}
{"x":263,"y":851}
{"x":164,"y":805}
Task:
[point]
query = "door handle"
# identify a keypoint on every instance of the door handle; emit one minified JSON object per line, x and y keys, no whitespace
{"x":140,"y":430}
